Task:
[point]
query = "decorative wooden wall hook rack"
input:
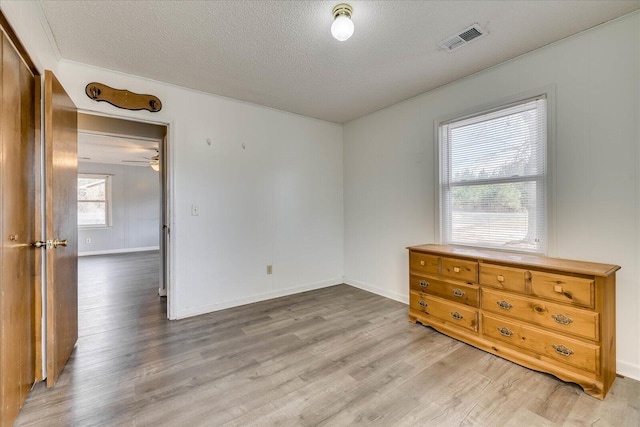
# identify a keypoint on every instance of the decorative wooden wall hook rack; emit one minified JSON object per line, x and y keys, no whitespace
{"x":123,"y":98}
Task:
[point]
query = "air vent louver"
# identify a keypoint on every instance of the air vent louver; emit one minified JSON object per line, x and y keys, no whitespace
{"x":470,"y":34}
{"x":462,"y":37}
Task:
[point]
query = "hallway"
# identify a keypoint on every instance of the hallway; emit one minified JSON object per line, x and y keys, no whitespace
{"x":118,"y":294}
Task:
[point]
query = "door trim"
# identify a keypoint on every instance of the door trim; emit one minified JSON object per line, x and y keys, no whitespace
{"x":167,"y":193}
{"x":13,"y":37}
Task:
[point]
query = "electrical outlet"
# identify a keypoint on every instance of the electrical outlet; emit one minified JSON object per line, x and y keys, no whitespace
{"x":87,"y":240}
{"x":195,"y":210}
{"x":269,"y":269}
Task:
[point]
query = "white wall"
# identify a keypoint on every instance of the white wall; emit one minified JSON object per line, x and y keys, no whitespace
{"x":269,"y":190}
{"x":135,"y":210}
{"x":389,"y":163}
{"x":269,"y":186}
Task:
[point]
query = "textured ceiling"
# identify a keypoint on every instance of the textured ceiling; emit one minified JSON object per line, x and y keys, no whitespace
{"x":281,"y":53}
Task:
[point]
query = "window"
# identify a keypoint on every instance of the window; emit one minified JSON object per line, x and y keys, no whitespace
{"x":493,"y":178}
{"x":94,"y":200}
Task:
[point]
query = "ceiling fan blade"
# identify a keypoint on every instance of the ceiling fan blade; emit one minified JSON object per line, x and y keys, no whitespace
{"x":134,"y":161}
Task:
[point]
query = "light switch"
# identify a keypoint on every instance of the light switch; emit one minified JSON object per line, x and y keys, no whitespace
{"x":195,"y":210}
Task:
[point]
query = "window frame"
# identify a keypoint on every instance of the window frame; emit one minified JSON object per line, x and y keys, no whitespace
{"x":108,"y":200}
{"x":547,"y":180}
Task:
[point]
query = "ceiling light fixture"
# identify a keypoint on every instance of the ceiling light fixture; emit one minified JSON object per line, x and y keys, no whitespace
{"x":342,"y":27}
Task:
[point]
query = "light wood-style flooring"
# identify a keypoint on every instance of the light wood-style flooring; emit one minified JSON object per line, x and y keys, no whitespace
{"x":338,"y":356}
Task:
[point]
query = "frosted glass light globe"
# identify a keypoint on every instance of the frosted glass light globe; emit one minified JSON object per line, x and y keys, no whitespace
{"x":342,"y":28}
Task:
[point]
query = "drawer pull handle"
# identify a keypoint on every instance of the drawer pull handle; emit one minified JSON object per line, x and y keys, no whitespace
{"x":458,"y":293}
{"x":504,"y":305}
{"x":422,"y":303}
{"x":422,"y":262}
{"x":456,"y":269}
{"x":500,"y":278}
{"x":560,"y":349}
{"x":424,"y":283}
{"x":558,"y":289}
{"x":505,"y":331}
{"x":456,"y":315}
{"x":562,"y":319}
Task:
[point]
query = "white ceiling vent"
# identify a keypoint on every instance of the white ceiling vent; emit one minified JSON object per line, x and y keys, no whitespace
{"x":462,"y":37}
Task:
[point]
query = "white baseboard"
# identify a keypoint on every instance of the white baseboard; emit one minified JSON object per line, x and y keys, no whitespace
{"x":628,"y":370}
{"x":119,"y":251}
{"x":378,"y":291}
{"x":208,"y":308}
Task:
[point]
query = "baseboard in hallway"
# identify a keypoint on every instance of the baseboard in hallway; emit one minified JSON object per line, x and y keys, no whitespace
{"x":119,"y":251}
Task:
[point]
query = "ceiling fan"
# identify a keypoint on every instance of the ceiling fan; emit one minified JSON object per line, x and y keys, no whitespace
{"x":153,"y":162}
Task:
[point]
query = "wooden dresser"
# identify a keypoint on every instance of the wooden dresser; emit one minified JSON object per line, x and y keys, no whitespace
{"x":551,"y":315}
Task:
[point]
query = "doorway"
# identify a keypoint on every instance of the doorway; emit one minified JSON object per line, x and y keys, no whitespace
{"x":122,"y":175}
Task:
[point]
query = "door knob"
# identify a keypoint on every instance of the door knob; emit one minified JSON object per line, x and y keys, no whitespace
{"x":57,"y":243}
{"x":50,"y":244}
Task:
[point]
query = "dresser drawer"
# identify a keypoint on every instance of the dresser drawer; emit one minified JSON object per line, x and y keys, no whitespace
{"x":451,"y":313}
{"x":566,"y":350}
{"x":458,"y":292}
{"x":566,"y":289}
{"x":423,"y":263}
{"x":570,"y":320}
{"x":459,"y":269}
{"x":501,"y":277}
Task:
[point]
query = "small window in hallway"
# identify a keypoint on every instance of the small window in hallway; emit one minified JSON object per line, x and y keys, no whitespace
{"x":94,"y":200}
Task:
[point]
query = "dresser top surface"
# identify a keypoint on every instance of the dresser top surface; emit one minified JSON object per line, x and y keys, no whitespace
{"x":520,"y":259}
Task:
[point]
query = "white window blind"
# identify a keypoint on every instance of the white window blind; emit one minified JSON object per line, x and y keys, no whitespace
{"x":493,"y":178}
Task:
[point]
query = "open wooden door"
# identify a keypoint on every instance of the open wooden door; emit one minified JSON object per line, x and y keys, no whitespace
{"x":17,"y":230}
{"x":61,"y":180}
